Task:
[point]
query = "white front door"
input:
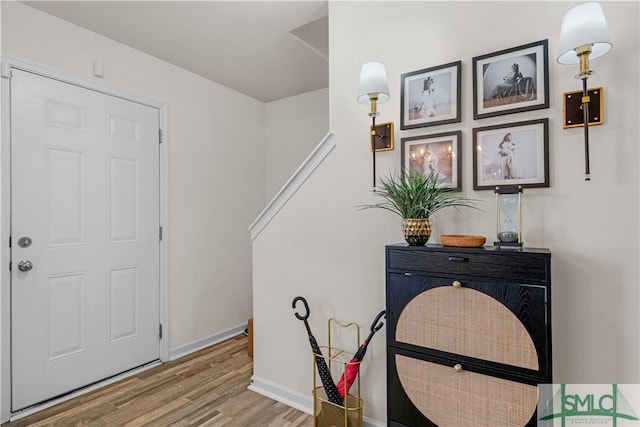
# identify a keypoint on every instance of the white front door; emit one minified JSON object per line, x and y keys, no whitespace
{"x":85,"y":237}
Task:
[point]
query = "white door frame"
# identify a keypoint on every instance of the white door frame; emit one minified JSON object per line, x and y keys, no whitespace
{"x":11,"y":62}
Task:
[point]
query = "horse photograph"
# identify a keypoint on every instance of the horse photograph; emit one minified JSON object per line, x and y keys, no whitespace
{"x":510,"y":81}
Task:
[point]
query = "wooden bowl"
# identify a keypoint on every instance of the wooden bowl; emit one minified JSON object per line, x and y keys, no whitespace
{"x":462,"y":240}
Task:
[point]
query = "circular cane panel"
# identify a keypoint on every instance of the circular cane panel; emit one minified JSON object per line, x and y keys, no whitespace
{"x":466,"y":322}
{"x":453,"y":398}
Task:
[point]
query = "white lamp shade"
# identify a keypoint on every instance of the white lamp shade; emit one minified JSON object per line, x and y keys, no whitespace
{"x":373,"y":79}
{"x":583,"y":25}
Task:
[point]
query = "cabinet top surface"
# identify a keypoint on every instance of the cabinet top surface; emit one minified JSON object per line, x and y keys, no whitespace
{"x":484,"y":249}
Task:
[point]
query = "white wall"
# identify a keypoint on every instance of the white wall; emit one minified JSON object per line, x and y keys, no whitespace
{"x":320,"y":246}
{"x":294,"y":126}
{"x":214,"y":133}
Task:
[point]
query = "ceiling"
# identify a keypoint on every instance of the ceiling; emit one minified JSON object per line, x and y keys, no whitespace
{"x":268,"y":50}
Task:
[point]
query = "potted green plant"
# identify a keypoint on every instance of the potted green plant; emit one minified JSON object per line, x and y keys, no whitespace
{"x":415,"y":198}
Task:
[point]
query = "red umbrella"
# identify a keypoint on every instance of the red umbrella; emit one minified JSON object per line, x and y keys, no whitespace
{"x":323,"y":370}
{"x":352,"y":368}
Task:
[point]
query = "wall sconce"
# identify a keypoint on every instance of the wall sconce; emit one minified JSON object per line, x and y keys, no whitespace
{"x":572,"y":108}
{"x":373,"y":89}
{"x":383,"y":134}
{"x":584,"y":35}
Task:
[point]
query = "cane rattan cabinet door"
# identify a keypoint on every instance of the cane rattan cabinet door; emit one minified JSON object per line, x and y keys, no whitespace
{"x":468,"y":335}
{"x":453,"y":396}
{"x":464,"y":321}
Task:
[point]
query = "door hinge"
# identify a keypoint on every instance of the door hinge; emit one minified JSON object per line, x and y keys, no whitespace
{"x":160,"y":331}
{"x":10,"y":266}
{"x":159,"y":136}
{"x":9,"y":241}
{"x":6,"y":71}
{"x":160,"y":232}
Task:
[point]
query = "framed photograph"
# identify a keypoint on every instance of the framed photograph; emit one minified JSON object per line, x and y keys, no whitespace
{"x":511,"y":80}
{"x":511,"y":154}
{"x":431,"y":96}
{"x":435,"y":153}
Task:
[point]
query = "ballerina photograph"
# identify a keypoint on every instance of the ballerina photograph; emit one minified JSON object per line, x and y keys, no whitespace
{"x":431,"y":96}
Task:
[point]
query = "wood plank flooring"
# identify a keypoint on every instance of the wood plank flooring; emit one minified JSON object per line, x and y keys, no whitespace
{"x":207,"y":388}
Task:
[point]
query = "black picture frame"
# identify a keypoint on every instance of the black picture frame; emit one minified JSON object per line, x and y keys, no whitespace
{"x":511,"y":154}
{"x":511,"y":80}
{"x":431,"y":96}
{"x":437,"y":152}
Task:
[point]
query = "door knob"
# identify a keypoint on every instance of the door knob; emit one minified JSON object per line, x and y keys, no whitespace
{"x":25,"y":265}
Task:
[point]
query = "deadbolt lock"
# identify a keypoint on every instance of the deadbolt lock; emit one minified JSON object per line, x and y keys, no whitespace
{"x":24,"y":242}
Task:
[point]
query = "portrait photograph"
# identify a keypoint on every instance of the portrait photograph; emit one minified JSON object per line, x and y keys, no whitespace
{"x":430,"y":96}
{"x":511,"y":81}
{"x":438,"y":153}
{"x":511,"y":154}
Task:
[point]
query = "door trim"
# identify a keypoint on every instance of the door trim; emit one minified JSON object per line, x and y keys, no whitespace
{"x":10,"y":62}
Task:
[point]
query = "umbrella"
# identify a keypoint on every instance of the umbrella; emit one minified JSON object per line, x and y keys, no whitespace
{"x":323,"y":370}
{"x":352,"y":368}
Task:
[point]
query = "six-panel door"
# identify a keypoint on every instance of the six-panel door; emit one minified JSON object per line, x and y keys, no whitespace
{"x":85,"y":190}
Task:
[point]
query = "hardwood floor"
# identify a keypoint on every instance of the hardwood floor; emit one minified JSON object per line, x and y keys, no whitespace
{"x":207,"y":388}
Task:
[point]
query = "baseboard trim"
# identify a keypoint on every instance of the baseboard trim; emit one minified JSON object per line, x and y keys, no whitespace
{"x":192,"y":347}
{"x":294,"y":398}
{"x":282,"y":394}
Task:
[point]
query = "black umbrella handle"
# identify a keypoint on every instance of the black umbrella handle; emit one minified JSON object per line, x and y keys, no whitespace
{"x":375,"y":327}
{"x":376,"y":324}
{"x":306,"y":315}
{"x":306,"y":307}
